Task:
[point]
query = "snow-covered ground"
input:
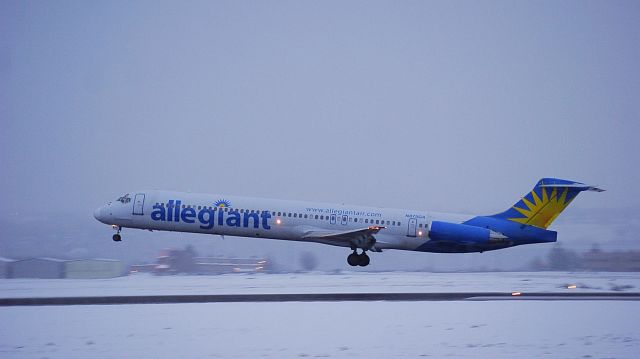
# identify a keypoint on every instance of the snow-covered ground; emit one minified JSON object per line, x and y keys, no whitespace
{"x":144,"y":284}
{"x":462,"y":329}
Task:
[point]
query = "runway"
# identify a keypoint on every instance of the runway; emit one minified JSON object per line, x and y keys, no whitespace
{"x":321,"y":297}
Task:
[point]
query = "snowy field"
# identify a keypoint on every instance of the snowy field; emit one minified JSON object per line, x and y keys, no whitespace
{"x":462,"y":329}
{"x":145,"y":284}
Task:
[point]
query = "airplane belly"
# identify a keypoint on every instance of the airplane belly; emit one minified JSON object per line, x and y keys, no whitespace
{"x":391,"y":241}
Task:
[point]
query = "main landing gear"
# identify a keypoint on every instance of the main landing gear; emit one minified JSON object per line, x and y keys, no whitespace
{"x":117,"y":237}
{"x":355,"y":259}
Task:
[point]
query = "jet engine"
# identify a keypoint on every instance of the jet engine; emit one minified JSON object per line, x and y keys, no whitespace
{"x":463,"y":233}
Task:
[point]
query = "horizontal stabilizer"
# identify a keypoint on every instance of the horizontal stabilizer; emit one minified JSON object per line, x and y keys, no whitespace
{"x":545,"y":202}
{"x":580,"y":186}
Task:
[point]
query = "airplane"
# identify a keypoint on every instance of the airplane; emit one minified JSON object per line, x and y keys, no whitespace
{"x":356,"y":227}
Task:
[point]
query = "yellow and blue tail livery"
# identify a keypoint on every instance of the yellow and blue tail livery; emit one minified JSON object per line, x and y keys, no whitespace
{"x":526,"y":222}
{"x":545,"y":202}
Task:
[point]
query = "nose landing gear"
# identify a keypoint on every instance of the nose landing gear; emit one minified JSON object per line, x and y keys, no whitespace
{"x":117,"y":237}
{"x":355,"y":259}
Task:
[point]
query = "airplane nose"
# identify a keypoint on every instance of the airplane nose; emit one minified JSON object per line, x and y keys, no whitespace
{"x":98,"y":214}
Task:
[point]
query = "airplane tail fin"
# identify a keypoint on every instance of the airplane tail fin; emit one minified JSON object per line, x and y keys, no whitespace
{"x":545,"y":202}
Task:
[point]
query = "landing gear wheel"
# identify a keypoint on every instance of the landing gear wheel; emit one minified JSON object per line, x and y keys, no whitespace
{"x":116,"y":237}
{"x":353,"y":259}
{"x":363,"y":260}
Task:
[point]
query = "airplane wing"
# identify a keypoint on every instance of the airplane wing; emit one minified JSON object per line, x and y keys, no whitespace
{"x":361,"y":238}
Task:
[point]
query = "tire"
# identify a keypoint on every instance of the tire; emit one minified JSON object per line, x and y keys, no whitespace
{"x":364,"y":260}
{"x":117,"y":237}
{"x":353,"y":259}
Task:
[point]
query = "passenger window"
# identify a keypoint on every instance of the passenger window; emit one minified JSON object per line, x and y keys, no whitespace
{"x":278,"y":214}
{"x":366,"y":220}
{"x":355,"y":220}
{"x":289,"y":214}
{"x":295,"y":215}
{"x":321,"y":217}
{"x":305,"y":216}
{"x":399,"y":223}
{"x":316,"y":216}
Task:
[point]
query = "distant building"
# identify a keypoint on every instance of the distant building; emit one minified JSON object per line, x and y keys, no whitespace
{"x":93,"y":268}
{"x":142,"y":268}
{"x":46,"y":268}
{"x":218,"y":265}
{"x":185,"y":261}
{"x":174,"y":261}
{"x":596,"y":260}
{"x":5,"y":267}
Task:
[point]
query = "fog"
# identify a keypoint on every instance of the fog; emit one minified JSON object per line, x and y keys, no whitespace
{"x":446,"y":106}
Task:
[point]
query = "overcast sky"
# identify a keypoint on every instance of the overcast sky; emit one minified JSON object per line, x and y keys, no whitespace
{"x":449,"y":106}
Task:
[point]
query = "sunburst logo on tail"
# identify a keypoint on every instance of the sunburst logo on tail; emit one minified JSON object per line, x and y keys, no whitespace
{"x":541,"y":209}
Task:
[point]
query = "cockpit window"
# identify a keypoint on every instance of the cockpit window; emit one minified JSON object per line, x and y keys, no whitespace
{"x":124,"y":199}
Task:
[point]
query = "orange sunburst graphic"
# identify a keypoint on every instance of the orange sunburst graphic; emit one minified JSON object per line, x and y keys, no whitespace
{"x":543,"y":210}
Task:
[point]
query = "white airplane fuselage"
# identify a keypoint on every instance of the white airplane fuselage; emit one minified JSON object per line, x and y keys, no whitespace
{"x":357,"y":227}
{"x":264,"y":218}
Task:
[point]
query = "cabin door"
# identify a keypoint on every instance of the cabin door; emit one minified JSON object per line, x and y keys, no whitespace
{"x":411,"y":229}
{"x":138,"y":204}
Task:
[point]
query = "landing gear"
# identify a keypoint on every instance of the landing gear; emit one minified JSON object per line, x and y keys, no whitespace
{"x":117,"y":237}
{"x":355,"y":259}
{"x":364,"y":260}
